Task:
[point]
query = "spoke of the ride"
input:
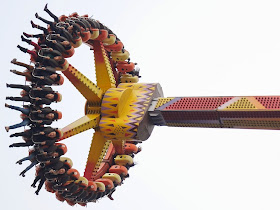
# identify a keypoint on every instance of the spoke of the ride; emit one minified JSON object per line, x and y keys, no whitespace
{"x":106,"y":162}
{"x":98,"y":148}
{"x":119,"y":146}
{"x":254,"y":112}
{"x":84,"y":123}
{"x":104,"y":74}
{"x":86,"y":87}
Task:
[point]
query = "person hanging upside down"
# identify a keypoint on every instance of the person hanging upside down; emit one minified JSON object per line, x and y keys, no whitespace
{"x":59,"y":39}
{"x":54,"y":27}
{"x":56,"y":45}
{"x":43,"y":154}
{"x":67,"y":183}
{"x":46,"y":41}
{"x":41,"y":116}
{"x":51,"y":57}
{"x":48,"y":135}
{"x":45,"y":116}
{"x":41,"y":76}
{"x":38,"y":95}
{"x":45,"y":77}
{"x":28,"y":134}
{"x":43,"y":169}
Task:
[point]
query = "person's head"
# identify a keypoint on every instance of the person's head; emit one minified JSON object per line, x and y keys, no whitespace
{"x":59,"y":80}
{"x":61,"y":149}
{"x":50,"y":116}
{"x":59,"y":133}
{"x":57,"y":97}
{"x":50,"y":96}
{"x":63,"y":18}
{"x":51,"y":134}
{"x":74,"y":14}
{"x":57,"y":115}
{"x":23,"y":93}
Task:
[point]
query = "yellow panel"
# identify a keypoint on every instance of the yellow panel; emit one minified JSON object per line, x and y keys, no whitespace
{"x":104,"y":74}
{"x":86,"y":87}
{"x":254,"y":101}
{"x":162,"y":101}
{"x":84,"y":123}
{"x":119,"y":145}
{"x":96,"y":154}
{"x":242,"y":103}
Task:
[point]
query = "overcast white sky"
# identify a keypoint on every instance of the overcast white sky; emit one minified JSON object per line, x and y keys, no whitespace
{"x":192,"y":48}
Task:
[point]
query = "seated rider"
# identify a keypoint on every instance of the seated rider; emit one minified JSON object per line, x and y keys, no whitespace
{"x":41,"y":116}
{"x":53,"y":172}
{"x":45,"y":115}
{"x":46,"y":134}
{"x":46,"y":76}
{"x":27,"y":136}
{"x":38,"y":95}
{"x":43,"y":154}
{"x":51,"y":57}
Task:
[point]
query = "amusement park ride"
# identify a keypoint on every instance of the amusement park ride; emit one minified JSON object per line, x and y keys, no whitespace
{"x":123,"y":112}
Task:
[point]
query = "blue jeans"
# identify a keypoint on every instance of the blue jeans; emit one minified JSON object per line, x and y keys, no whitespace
{"x":35,"y":162}
{"x":25,"y":122}
{"x":32,"y":155}
{"x":22,"y":110}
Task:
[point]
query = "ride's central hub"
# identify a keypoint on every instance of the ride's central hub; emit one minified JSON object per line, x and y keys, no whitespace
{"x":124,"y":113}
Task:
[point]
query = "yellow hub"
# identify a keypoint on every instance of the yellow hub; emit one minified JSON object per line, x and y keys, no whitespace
{"x":124,"y":108}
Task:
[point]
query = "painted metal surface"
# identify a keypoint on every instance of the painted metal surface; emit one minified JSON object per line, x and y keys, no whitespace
{"x":252,"y":112}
